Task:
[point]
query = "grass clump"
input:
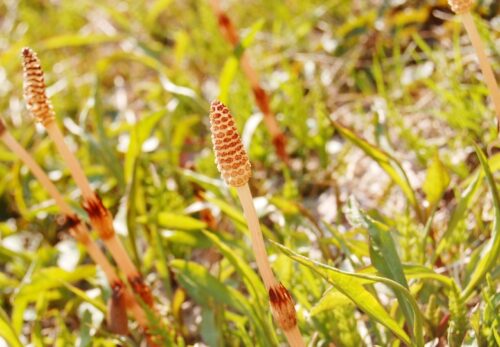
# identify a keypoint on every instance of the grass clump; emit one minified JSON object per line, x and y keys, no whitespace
{"x":372,"y":195}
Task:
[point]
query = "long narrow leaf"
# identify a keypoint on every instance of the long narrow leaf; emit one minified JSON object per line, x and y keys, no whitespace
{"x":388,"y":163}
{"x":7,"y":332}
{"x":352,"y":286}
{"x":383,"y":253}
{"x":490,"y":252}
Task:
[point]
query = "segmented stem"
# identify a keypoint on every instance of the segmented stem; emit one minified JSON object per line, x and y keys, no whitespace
{"x":100,"y":217}
{"x":77,"y":228}
{"x":259,"y":248}
{"x":261,"y":98}
{"x":234,"y":166}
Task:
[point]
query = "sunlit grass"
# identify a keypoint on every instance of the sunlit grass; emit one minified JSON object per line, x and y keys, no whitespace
{"x":382,"y":224}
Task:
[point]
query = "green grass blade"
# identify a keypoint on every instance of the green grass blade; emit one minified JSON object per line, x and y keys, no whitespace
{"x":82,"y":295}
{"x":383,"y":253}
{"x":458,"y":214}
{"x":436,"y":182}
{"x":7,"y":332}
{"x":491,"y":250}
{"x":413,"y":271}
{"x":254,"y":284}
{"x":352,"y":286}
{"x":204,"y":288}
{"x":388,"y":163}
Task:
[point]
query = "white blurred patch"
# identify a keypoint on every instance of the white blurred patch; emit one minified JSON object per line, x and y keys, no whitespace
{"x":120,"y":220}
{"x":414,"y":73}
{"x":123,"y":142}
{"x":69,"y":255}
{"x":249,"y":129}
{"x":309,"y":69}
{"x":22,"y":241}
{"x":327,"y":206}
{"x":261,"y":204}
{"x":333,"y":146}
{"x":329,"y":44}
{"x":96,"y":316}
{"x":277,"y":79}
{"x":55,"y":175}
{"x":150,"y":144}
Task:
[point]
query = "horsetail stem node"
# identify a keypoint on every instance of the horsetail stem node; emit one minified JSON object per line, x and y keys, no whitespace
{"x":117,"y":310}
{"x":2,"y":127}
{"x":234,"y":166}
{"x":460,"y":6}
{"x":99,"y":216}
{"x":282,"y":307}
{"x":34,"y":88}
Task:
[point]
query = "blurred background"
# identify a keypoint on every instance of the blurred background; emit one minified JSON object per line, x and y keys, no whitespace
{"x":131,"y":83}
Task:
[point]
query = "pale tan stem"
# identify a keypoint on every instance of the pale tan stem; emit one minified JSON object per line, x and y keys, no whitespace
{"x":80,"y":231}
{"x":262,"y":99}
{"x":281,"y":302}
{"x":484,"y":64}
{"x":249,"y":71}
{"x":37,"y":171}
{"x":73,"y":164}
{"x":103,"y":222}
{"x":294,"y":337}
{"x":99,"y":258}
{"x":258,"y":245}
{"x":121,"y":256}
{"x":215,"y":5}
{"x":235,"y":168}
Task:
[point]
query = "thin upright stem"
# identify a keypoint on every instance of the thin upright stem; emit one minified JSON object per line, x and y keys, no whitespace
{"x":100,"y":217}
{"x":235,"y":168}
{"x":76,"y":171}
{"x":78,"y":229}
{"x":258,"y":245}
{"x":294,"y":337}
{"x":261,"y":98}
{"x":37,"y":171}
{"x":281,"y":301}
{"x":484,"y":63}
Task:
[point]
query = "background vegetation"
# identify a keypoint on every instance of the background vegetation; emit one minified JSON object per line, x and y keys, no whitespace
{"x":381,"y":103}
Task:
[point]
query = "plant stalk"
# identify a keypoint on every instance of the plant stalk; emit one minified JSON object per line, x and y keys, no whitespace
{"x":281,"y":301}
{"x":484,"y":63}
{"x":78,"y":229}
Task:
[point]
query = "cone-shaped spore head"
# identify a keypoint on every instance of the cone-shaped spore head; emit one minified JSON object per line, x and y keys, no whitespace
{"x":231,"y":157}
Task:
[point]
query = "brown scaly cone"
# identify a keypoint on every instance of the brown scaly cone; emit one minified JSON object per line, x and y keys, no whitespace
{"x":460,"y":6}
{"x":34,"y":88}
{"x":230,"y":155}
{"x":282,"y":307}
